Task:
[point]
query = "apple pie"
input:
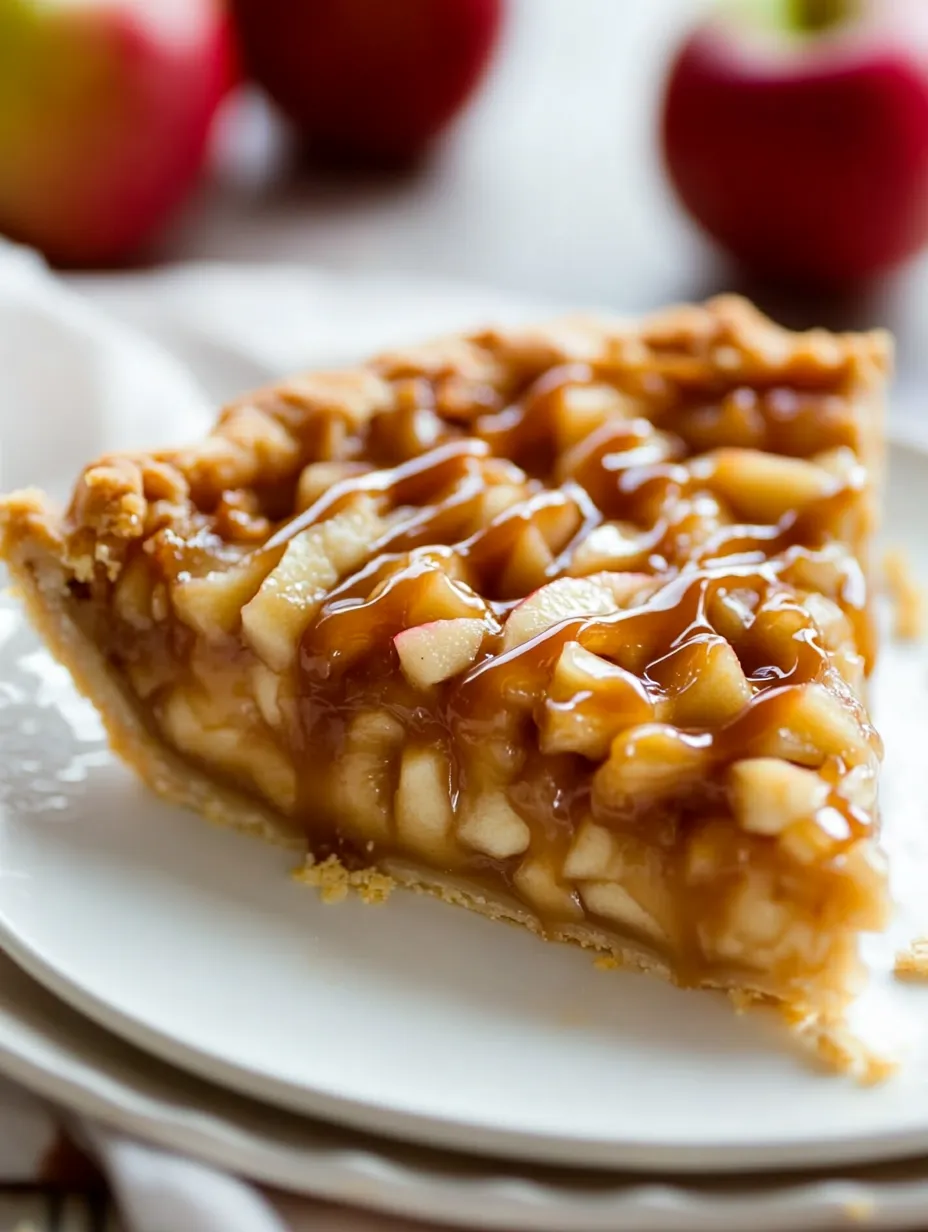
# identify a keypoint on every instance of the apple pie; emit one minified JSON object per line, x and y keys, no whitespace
{"x":567,"y":624}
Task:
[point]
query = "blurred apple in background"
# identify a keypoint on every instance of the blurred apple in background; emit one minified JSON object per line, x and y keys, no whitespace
{"x":368,"y":80}
{"x":796,"y":133}
{"x":105,"y":110}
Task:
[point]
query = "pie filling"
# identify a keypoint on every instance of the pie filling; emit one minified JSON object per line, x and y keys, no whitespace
{"x":577,"y":620}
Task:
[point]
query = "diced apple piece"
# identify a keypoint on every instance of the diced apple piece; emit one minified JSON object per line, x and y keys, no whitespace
{"x":525,"y":569}
{"x":842,"y":462}
{"x":578,"y":727}
{"x":374,"y":731}
{"x":581,"y":409}
{"x":212,"y":604}
{"x":731,"y":611}
{"x":496,"y":499}
{"x":237,"y":750}
{"x":265,"y":686}
{"x":755,"y":922}
{"x":558,"y":518}
{"x":859,"y":786}
{"x":709,"y":849}
{"x":318,"y":477}
{"x":627,"y":589}
{"x":613,"y":545}
{"x":438,"y":596}
{"x":360,"y":782}
{"x":424,"y":815}
{"x":536,"y":882}
{"x":579,"y":670}
{"x":634,"y":866}
{"x":778,"y":632}
{"x":814,"y":724}
{"x":762,"y":487}
{"x":835,"y":634}
{"x":564,"y":599}
{"x":648,"y":765}
{"x":590,"y":700}
{"x":592,"y":853}
{"x":439,"y":650}
{"x":829,"y":571}
{"x":865,"y":867}
{"x":832,"y":624}
{"x":132,"y":595}
{"x":489,"y":824}
{"x":313,"y":561}
{"x":807,"y":842}
{"x":613,"y":902}
{"x":767,"y":794}
{"x":275,"y":619}
{"x":601,"y":854}
{"x":711,"y":687}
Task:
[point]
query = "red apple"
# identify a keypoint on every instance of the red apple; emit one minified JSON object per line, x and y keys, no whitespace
{"x":368,"y":79}
{"x":797,"y":134}
{"x":105,"y":109}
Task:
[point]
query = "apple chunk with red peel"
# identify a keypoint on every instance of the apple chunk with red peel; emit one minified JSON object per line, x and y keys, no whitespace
{"x":438,"y":650}
{"x":564,"y":599}
{"x":314,"y":560}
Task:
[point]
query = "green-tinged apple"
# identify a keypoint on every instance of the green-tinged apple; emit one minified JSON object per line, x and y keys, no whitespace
{"x":368,"y":80}
{"x":105,"y":112}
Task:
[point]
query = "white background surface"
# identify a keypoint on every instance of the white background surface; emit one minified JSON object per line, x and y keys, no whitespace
{"x":549,"y":184}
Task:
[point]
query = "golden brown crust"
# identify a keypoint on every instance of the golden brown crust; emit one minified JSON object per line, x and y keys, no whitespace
{"x":265,"y":437}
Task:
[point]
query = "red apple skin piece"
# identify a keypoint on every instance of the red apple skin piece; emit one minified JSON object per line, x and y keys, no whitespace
{"x":808,"y":162}
{"x":436,"y":651}
{"x":105,"y":111}
{"x":368,"y":80}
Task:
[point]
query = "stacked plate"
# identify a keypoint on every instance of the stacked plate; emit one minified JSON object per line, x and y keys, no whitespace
{"x":171,"y":979}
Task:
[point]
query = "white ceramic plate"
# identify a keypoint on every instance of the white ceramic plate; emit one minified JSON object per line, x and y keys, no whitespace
{"x":414,"y":1019}
{"x":63,"y":1057}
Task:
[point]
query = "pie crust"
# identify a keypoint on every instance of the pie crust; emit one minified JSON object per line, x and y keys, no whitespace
{"x":569,"y":625}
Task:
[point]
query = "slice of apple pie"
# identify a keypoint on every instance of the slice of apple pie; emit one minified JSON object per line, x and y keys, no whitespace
{"x":567,"y":624}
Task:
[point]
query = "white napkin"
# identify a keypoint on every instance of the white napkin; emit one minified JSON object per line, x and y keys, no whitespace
{"x":69,"y":368}
{"x":99,"y":384}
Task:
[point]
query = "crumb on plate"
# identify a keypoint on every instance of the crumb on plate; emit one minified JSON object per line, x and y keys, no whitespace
{"x":906,"y":595}
{"x":606,"y":962}
{"x":836,"y":1046}
{"x":334,"y":881}
{"x":912,"y":962}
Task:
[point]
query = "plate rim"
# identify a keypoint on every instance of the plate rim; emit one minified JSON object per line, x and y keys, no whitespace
{"x":379,"y":1175}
